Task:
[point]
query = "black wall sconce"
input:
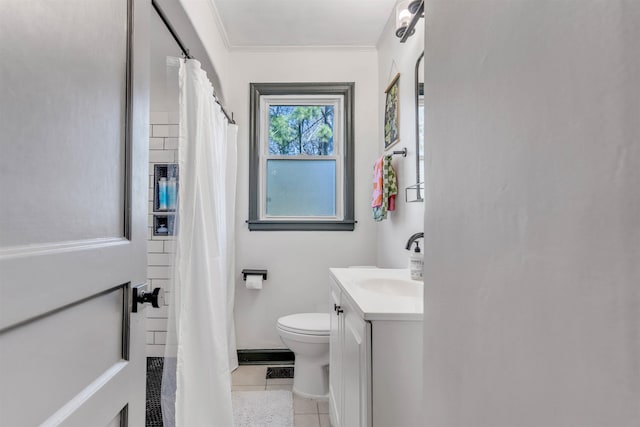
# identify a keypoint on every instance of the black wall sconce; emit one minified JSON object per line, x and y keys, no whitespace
{"x":407,"y":15}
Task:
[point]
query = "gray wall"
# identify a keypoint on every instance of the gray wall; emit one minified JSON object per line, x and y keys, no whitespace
{"x":532,"y":295}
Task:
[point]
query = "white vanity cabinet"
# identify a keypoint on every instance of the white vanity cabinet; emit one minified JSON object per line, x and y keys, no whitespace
{"x":375,"y":363}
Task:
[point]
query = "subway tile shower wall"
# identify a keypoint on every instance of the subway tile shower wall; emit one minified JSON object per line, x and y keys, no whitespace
{"x":163,"y":148}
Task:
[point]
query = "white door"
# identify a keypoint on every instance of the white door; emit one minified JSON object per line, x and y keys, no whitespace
{"x":73,"y":203}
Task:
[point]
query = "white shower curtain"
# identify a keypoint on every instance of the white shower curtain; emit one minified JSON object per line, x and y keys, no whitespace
{"x":200,"y":352}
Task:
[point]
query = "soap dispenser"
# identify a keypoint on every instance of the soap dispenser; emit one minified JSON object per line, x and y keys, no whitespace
{"x":416,"y":262}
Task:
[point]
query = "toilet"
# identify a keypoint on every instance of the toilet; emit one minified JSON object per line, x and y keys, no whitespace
{"x":307,"y":335}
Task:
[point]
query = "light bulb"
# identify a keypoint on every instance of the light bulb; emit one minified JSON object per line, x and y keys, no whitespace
{"x":403,"y":17}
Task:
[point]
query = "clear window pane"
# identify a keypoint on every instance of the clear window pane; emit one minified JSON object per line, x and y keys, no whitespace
{"x":301,"y":187}
{"x":301,"y":129}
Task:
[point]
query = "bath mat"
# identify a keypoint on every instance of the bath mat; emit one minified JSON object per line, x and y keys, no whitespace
{"x":280,"y":372}
{"x":273,"y":408}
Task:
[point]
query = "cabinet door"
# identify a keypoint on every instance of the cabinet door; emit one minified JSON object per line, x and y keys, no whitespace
{"x":356,"y":369}
{"x":335,"y":358}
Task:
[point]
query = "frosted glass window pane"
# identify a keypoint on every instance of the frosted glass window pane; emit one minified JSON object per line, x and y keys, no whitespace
{"x":301,"y":129}
{"x":301,"y":187}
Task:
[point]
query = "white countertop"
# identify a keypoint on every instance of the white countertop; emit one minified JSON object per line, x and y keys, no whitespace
{"x":381,"y":293}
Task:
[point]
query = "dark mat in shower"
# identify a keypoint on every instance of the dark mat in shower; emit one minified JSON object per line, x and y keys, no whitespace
{"x":280,"y":372}
{"x":153,"y":417}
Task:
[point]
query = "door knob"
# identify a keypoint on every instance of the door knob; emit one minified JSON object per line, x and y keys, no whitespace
{"x":141,"y":297}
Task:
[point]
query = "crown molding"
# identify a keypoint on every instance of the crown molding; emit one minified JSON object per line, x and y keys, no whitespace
{"x":221,"y":28}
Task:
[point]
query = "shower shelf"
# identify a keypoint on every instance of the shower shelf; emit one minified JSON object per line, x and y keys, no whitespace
{"x":163,"y":219}
{"x":163,"y":225}
{"x":168,"y":170}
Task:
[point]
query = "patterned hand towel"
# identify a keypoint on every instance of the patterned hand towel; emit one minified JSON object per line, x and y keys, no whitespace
{"x":377,"y":183}
{"x":385,"y":182}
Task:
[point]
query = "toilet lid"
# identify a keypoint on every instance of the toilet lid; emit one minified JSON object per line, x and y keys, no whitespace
{"x":306,"y":323}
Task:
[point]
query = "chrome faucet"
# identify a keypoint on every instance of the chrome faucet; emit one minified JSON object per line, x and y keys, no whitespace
{"x":413,"y":238}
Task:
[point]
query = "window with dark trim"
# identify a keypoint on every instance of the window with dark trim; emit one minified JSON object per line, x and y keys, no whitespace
{"x":301,"y":167}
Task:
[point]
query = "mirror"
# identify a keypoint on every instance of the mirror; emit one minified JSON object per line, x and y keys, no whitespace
{"x":419,"y":91}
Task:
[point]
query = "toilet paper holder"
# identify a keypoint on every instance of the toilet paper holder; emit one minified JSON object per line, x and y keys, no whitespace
{"x":248,"y":271}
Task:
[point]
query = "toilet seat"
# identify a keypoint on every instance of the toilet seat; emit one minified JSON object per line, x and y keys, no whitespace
{"x":316,"y":324}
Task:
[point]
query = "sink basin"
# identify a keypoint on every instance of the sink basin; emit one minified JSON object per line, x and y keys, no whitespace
{"x":381,"y":293}
{"x":392,"y":287}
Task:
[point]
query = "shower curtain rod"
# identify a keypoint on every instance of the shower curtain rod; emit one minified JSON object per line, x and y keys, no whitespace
{"x":186,"y":53}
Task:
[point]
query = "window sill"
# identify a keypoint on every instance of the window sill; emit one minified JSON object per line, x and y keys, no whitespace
{"x":258,"y":225}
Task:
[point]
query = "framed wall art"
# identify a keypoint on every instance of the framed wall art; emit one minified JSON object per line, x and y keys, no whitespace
{"x":392,"y":113}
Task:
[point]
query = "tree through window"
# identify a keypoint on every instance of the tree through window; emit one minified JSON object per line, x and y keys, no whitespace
{"x":301,"y":129}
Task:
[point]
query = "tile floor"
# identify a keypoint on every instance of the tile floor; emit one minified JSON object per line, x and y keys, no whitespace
{"x":306,"y":412}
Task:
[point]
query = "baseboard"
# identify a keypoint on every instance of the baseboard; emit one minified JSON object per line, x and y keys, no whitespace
{"x":276,"y":356}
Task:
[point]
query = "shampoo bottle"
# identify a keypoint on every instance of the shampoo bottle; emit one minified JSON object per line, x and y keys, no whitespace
{"x":172,"y":193}
{"x":162,"y":194}
{"x":416,"y":262}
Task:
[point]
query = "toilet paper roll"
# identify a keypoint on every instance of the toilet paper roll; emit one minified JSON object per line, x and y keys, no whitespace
{"x":254,"y":281}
